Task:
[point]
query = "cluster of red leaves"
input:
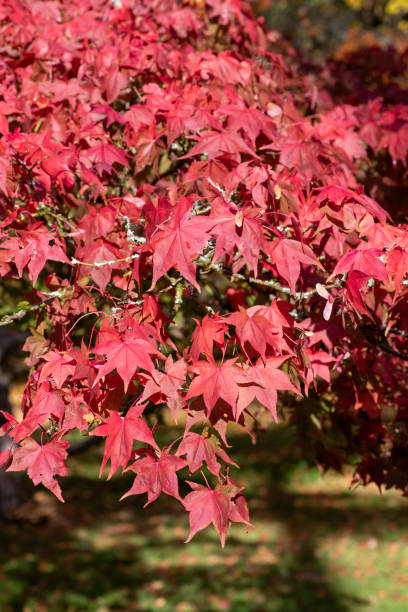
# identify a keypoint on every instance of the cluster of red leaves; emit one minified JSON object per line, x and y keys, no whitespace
{"x":165,"y":169}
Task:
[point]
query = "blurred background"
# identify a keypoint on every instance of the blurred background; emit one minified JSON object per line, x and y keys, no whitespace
{"x":316,"y":544}
{"x":323,"y":27}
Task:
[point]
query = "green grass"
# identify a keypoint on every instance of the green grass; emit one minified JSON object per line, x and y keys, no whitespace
{"x":315,"y":545}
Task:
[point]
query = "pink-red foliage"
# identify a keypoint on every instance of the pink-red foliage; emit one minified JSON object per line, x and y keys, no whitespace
{"x":196,"y":224}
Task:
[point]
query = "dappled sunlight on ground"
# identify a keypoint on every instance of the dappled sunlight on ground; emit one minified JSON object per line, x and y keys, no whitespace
{"x":315,"y":545}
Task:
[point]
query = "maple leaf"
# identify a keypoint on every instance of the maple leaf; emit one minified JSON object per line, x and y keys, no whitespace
{"x":59,"y":366}
{"x":32,"y":249}
{"x":104,"y":258}
{"x":114,"y":81}
{"x":197,"y":448}
{"x":265,"y":381}
{"x":177,"y":242}
{"x":366,"y":261}
{"x":301,"y":155}
{"x":138,"y":115}
{"x":339,"y":194}
{"x":238,"y":510}
{"x":396,"y":142}
{"x":107,"y":111}
{"x":46,"y":403}
{"x":368,"y":401}
{"x":125,"y":355}
{"x":216,"y":506}
{"x":156,"y":475}
{"x":277,"y":319}
{"x":178,"y":120}
{"x":75,"y":411}
{"x":215,"y":144}
{"x":83,"y":365}
{"x":42,"y":462}
{"x":97,"y":223}
{"x":237,"y":230}
{"x":254,"y":328}
{"x":356,"y":280}
{"x":9,"y":422}
{"x":251,"y":120}
{"x":216,"y":382}
{"x":397,"y":267}
{"x":149,"y":146}
{"x":104,"y":155}
{"x":287,"y":255}
{"x":35,"y":345}
{"x":166,"y":385}
{"x":210,"y":331}
{"x":321,"y":364}
{"x":207,"y":506}
{"x":223,"y":65}
{"x":120,"y":432}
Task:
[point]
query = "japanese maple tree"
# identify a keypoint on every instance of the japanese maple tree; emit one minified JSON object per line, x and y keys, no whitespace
{"x":197,"y":220}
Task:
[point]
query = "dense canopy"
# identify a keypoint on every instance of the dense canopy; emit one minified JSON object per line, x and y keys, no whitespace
{"x":196,"y":218}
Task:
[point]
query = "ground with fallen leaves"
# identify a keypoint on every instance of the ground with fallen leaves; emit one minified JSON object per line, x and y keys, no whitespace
{"x":315,"y":545}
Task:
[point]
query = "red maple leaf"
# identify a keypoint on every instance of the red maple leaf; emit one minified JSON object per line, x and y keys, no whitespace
{"x":177,"y":242}
{"x":42,"y":462}
{"x":58,"y":365}
{"x":301,"y":155}
{"x":197,"y":448}
{"x":149,"y":146}
{"x":156,"y":475}
{"x":216,"y":144}
{"x":321,"y":364}
{"x":251,"y":120}
{"x":287,"y":255}
{"x":74,"y":412}
{"x":366,"y":261}
{"x":32,"y":249}
{"x":238,"y":230}
{"x":216,"y":506}
{"x":97,"y":223}
{"x":207,"y":506}
{"x":216,"y":382}
{"x":102,"y":256}
{"x":46,"y":403}
{"x":266,"y":381}
{"x":120,"y":432}
{"x":165,"y":385}
{"x":104,"y":155}
{"x":397,"y":266}
{"x":224,"y":65}
{"x":356,"y":281}
{"x":210,"y":331}
{"x":125,"y":355}
{"x":5,"y":457}
{"x":252,"y":327}
{"x":396,"y":142}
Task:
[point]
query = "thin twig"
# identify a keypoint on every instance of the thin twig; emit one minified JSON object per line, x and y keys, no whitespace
{"x":7,"y":319}
{"x":272,"y":284}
